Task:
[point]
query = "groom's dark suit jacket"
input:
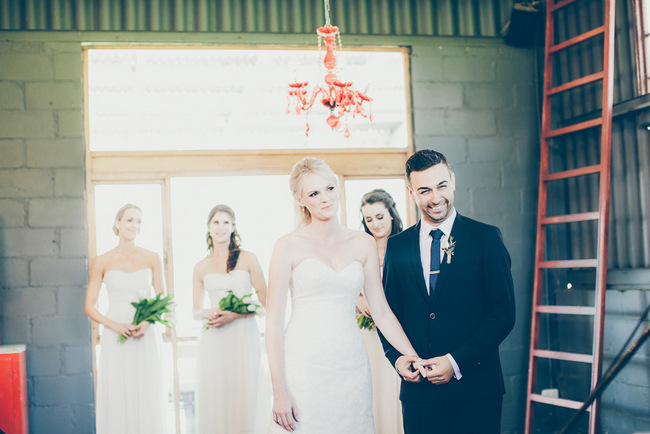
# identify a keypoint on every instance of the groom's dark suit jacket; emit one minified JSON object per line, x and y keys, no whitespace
{"x":472,"y":311}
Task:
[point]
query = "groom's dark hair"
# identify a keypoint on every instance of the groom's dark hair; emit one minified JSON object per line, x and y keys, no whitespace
{"x":422,"y":160}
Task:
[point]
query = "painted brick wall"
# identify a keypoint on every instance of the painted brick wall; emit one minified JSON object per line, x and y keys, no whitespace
{"x":475,"y":102}
{"x":625,"y":403}
{"x":43,"y":241}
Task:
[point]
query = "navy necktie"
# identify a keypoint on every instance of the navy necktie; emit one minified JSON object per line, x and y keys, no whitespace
{"x":434,"y":270}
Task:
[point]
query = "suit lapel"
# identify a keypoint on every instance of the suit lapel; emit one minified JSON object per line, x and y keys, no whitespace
{"x":445,"y":268}
{"x":414,"y":260}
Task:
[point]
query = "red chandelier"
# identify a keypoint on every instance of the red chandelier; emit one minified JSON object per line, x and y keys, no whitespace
{"x":337,"y":95}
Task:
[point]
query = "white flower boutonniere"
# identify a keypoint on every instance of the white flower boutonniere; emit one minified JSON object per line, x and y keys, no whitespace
{"x":448,"y":248}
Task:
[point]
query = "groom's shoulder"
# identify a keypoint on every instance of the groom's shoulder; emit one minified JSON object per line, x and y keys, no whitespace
{"x":477,"y":227}
{"x":406,"y":234}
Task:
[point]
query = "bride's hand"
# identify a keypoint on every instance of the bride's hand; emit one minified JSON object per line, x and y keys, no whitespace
{"x":285,"y":413}
{"x":362,"y":306}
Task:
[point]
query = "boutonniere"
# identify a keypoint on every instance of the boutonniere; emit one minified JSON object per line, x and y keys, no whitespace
{"x":448,"y":248}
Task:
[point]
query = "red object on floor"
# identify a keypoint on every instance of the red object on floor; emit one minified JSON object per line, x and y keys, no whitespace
{"x":13,"y":390}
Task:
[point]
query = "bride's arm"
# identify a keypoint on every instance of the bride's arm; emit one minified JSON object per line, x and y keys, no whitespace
{"x":284,"y":408}
{"x":381,"y":312}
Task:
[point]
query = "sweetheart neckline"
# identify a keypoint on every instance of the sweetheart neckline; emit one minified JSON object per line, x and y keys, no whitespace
{"x":225,"y":274}
{"x":328,"y":265}
{"x":128,"y":272}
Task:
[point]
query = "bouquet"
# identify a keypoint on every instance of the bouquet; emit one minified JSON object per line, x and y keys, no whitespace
{"x":236,"y":304}
{"x":152,"y":310}
{"x":365,"y":323}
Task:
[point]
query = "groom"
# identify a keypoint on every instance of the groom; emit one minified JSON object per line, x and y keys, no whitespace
{"x":448,"y":281}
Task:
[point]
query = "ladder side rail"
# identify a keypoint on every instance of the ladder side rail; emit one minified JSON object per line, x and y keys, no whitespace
{"x":605,"y":158}
{"x":541,"y":213}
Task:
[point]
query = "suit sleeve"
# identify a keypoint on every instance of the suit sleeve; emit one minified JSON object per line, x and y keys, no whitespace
{"x":499,"y":313}
{"x":391,"y":292}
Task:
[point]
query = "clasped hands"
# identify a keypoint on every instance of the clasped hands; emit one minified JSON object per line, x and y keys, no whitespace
{"x":219,"y":318}
{"x":130,"y":330}
{"x":413,"y":369}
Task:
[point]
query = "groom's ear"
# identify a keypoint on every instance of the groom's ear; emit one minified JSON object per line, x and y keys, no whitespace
{"x":410,"y":191}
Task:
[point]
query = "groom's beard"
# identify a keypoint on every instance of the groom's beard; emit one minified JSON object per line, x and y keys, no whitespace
{"x":440,"y":215}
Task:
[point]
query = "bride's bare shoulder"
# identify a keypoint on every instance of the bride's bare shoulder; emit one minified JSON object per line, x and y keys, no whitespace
{"x":288,"y":241}
{"x":361,"y":237}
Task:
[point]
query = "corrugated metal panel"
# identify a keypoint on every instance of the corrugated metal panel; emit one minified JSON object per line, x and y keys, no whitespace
{"x":629,"y":230}
{"x":375,"y":17}
{"x":629,"y":223}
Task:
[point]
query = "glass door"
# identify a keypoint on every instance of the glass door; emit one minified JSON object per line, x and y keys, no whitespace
{"x":175,"y":212}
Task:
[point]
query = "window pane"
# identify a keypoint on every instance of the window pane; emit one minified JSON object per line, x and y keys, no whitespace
{"x":355,"y":189}
{"x":193,"y":99}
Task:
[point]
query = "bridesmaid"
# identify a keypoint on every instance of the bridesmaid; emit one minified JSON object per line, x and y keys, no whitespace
{"x":130,"y":386}
{"x":229,"y":348}
{"x":381,"y":220}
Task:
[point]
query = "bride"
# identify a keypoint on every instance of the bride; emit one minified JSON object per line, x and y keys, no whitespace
{"x":319,"y":366}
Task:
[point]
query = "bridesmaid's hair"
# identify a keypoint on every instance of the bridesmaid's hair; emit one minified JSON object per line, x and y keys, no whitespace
{"x":235,"y":239}
{"x":120,"y":214}
{"x":379,"y":195}
{"x":300,"y":169}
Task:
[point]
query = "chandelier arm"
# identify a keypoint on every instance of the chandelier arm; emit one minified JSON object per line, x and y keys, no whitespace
{"x":308,"y":104}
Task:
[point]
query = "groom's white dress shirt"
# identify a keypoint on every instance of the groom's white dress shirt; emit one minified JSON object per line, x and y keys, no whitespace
{"x":425,"y":257}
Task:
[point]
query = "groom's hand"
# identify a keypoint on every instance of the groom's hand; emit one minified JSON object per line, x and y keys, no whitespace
{"x":439,"y":370}
{"x":405,"y":368}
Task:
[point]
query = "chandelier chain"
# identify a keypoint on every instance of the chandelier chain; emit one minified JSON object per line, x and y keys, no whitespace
{"x":327,"y":12}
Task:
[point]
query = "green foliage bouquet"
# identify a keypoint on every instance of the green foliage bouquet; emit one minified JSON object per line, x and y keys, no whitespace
{"x":365,"y":323}
{"x":243,"y":304}
{"x":152,"y":310}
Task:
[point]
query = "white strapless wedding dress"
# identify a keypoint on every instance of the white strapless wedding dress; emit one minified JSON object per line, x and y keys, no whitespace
{"x":131,"y":393}
{"x":326,"y":362}
{"x":227,"y":364}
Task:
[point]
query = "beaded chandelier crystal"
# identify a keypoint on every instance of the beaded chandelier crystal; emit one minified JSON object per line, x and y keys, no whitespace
{"x":339,"y":96}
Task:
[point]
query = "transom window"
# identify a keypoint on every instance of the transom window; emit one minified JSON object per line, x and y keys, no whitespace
{"x":229,"y":98}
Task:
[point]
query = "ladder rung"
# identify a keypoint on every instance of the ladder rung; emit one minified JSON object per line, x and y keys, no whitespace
{"x":586,"y":170}
{"x":571,"y":218}
{"x":575,"y":83}
{"x":570,"y":263}
{"x":574,"y":128}
{"x":577,"y":39}
{"x":568,"y":310}
{"x":558,"y":402}
{"x":560,"y":5}
{"x":561,"y":355}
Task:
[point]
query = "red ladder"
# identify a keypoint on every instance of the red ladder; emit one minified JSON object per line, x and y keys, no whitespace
{"x":605,"y":78}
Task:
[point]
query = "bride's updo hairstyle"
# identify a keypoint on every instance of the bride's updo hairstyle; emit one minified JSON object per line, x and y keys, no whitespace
{"x":235,"y":239}
{"x":307,"y":165}
{"x":120,"y":214}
